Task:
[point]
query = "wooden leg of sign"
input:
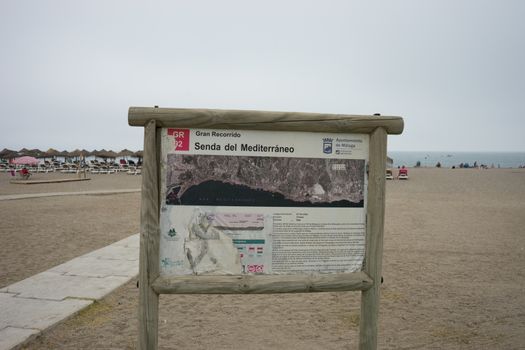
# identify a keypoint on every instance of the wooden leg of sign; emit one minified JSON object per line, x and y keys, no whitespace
{"x":149,"y":242}
{"x":148,"y":309}
{"x":374,"y":239}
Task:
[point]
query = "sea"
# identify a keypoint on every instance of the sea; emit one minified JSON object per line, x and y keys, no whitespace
{"x":449,"y":159}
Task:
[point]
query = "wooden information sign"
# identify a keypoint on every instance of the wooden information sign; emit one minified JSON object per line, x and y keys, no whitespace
{"x":237,"y":202}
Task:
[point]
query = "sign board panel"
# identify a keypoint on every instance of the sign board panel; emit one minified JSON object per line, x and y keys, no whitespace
{"x":261,"y":202}
{"x":236,"y":202}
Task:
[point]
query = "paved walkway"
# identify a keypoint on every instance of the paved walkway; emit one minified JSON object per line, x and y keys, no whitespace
{"x":37,"y":303}
{"x":54,"y":194}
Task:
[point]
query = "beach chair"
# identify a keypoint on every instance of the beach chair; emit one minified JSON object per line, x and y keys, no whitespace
{"x":103,"y":169}
{"x":403,"y":174}
{"x":389,"y":175}
{"x":134,"y":171}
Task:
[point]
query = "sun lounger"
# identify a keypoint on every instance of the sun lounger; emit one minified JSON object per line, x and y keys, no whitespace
{"x":123,"y":167}
{"x":134,"y":171}
{"x":389,"y":175}
{"x":403,"y":174}
{"x":106,"y":170}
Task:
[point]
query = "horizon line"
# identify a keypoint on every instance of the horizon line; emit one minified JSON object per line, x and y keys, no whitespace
{"x":450,"y":151}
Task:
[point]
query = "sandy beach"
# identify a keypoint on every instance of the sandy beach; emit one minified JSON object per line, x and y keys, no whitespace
{"x":454,"y":253}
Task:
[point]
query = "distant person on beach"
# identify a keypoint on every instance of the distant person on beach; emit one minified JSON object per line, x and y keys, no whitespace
{"x":24,"y":173}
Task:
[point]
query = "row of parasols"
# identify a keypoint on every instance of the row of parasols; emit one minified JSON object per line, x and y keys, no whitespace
{"x":52,"y":153}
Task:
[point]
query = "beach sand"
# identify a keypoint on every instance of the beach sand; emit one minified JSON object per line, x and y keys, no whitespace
{"x":454,"y":253}
{"x":40,"y":233}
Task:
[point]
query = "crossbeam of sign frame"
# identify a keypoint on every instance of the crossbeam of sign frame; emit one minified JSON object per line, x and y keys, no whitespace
{"x":237,"y":202}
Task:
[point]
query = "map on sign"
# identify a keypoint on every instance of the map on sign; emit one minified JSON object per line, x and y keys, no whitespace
{"x":264,"y":181}
{"x":236,"y":202}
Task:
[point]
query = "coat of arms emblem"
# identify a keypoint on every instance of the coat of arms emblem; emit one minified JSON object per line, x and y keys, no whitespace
{"x":327,"y":145}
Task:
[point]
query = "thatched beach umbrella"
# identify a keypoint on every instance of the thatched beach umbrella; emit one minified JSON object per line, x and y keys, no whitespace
{"x":101,"y":154}
{"x":126,"y":153}
{"x":139,"y":155}
{"x":51,"y":153}
{"x":64,"y":154}
{"x":35,"y":152}
{"x":95,"y":153}
{"x":104,"y":154}
{"x":15,"y":154}
{"x":24,"y":152}
{"x":75,"y":153}
{"x":7,"y":153}
{"x":111,"y":154}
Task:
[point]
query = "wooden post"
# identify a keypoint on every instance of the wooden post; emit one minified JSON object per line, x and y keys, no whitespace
{"x":374,"y":239}
{"x":149,"y":242}
{"x":260,"y":284}
{"x":260,"y":120}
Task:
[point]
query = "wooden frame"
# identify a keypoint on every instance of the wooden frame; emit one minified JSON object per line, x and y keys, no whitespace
{"x":367,"y":280}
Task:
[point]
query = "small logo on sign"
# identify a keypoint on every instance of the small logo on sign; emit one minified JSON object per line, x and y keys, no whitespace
{"x":171,"y":235}
{"x":182,"y":139}
{"x":327,"y":145}
{"x":165,"y":262}
{"x":255,"y":268}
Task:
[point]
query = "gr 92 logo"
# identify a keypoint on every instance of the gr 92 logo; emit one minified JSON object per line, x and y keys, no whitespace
{"x":182,"y":139}
{"x":255,"y":268}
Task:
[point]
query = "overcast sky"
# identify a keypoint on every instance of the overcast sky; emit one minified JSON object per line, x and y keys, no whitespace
{"x":69,"y":70}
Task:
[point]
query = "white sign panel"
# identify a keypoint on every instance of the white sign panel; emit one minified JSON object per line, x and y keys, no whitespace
{"x":262,"y":202}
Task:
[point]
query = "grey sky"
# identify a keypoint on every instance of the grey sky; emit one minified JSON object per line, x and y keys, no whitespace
{"x":454,"y":70}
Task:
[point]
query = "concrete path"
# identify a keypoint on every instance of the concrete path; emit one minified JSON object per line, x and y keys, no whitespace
{"x":54,"y":181}
{"x":8,"y":197}
{"x":37,"y":303}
